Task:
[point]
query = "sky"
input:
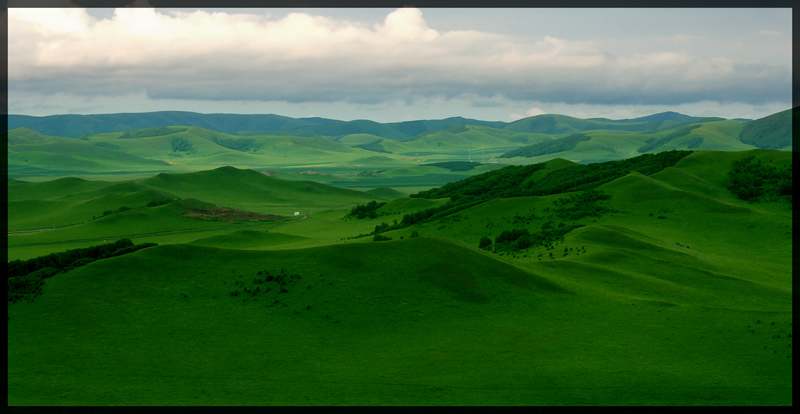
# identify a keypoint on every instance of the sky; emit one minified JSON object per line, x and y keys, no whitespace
{"x":391,"y":65}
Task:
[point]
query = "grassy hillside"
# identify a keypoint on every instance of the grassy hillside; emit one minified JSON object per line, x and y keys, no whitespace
{"x":72,"y":209}
{"x":599,"y":146}
{"x":773,"y":132}
{"x":253,"y":191}
{"x":338,"y":149}
{"x":653,"y":280}
{"x":453,"y":326}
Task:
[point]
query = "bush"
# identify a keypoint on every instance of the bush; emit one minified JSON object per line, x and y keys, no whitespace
{"x":181,"y":144}
{"x":363,"y":211}
{"x":756,"y":181}
{"x":379,"y":237}
{"x":380,"y":227}
{"x":485,"y":242}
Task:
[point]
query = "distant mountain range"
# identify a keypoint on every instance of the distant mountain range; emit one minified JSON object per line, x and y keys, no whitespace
{"x":74,"y":126}
{"x":159,"y":141}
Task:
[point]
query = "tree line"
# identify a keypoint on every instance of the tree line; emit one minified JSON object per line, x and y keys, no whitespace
{"x":63,"y":260}
{"x":514,"y":181}
{"x":26,"y":277}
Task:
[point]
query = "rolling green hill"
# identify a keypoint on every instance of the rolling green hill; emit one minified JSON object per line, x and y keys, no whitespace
{"x":605,"y":145}
{"x":252,"y":191}
{"x":661,"y":286}
{"x":71,"y":201}
{"x":772,"y":132}
{"x":336,"y":149}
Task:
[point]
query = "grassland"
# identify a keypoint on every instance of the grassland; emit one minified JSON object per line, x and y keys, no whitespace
{"x":676,"y":293}
{"x":357,"y":154}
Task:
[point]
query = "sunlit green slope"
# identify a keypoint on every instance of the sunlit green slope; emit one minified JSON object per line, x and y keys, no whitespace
{"x":676,"y":292}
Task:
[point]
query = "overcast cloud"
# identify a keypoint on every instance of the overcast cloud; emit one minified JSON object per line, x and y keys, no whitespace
{"x":402,"y":67}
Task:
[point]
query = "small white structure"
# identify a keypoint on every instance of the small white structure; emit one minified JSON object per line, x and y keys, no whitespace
{"x":296,"y":213}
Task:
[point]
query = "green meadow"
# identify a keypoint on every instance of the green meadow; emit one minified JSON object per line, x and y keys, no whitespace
{"x":594,"y":275}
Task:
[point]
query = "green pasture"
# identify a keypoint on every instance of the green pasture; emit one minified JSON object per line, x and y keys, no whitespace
{"x":676,"y":293}
{"x":365,"y":326}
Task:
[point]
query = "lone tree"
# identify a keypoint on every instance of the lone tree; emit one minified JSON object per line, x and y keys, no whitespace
{"x":485,"y":242}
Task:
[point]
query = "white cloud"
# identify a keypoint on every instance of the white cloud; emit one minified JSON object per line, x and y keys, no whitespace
{"x":308,"y":58}
{"x":530,"y":112}
{"x":406,"y":24}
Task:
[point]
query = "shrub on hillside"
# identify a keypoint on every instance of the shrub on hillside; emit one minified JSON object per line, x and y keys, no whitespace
{"x":181,"y":144}
{"x":363,"y":211}
{"x":754,"y":180}
{"x":238,"y":144}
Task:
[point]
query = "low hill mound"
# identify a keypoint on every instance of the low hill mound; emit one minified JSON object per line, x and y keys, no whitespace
{"x":248,"y":239}
{"x":23,"y":135}
{"x":252,"y":191}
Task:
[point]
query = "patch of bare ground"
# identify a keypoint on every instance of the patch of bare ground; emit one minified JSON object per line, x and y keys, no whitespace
{"x":228,"y":215}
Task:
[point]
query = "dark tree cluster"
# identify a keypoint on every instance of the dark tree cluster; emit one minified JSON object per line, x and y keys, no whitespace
{"x":434,"y":213}
{"x":238,"y":144}
{"x":520,"y":239}
{"x":29,"y":286}
{"x":119,"y":210}
{"x":180,"y":144}
{"x":368,"y":210}
{"x":754,"y":180}
{"x":583,"y":204}
{"x":62,"y":260}
{"x":25,"y":277}
{"x":374,"y":146}
{"x":381,"y":227}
